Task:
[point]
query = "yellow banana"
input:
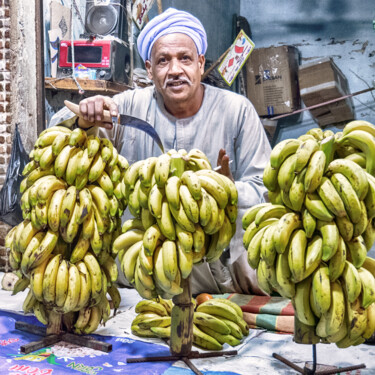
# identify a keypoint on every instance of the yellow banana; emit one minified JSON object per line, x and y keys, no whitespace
{"x":313,"y":255}
{"x":62,"y":283}
{"x":304,"y":152}
{"x":315,"y":170}
{"x":309,"y":223}
{"x":50,"y":279}
{"x":77,"y":137}
{"x":330,"y":235}
{"x":351,"y":282}
{"x":331,"y":198}
{"x":345,"y":227}
{"x":321,"y":289}
{"x":285,"y":227}
{"x":172,"y":191}
{"x":270,"y":177}
{"x":43,"y":251}
{"x":297,"y":191}
{"x":100,"y":198}
{"x":214,"y":189}
{"x":170,"y":262}
{"x":190,"y":179}
{"x":286,"y":173}
{"x":317,"y":208}
{"x":335,"y":315}
{"x":303,"y":309}
{"x":363,"y":141}
{"x":162,"y":170}
{"x":283,"y":276}
{"x":282,"y":150}
{"x":128,"y":263}
{"x":357,"y":251}
{"x":296,"y":255}
{"x":67,"y":206}
{"x":250,"y":214}
{"x":337,"y":262}
{"x":368,"y":287}
{"x":166,"y":223}
{"x":253,"y":250}
{"x":146,"y":171}
{"x":95,"y":274}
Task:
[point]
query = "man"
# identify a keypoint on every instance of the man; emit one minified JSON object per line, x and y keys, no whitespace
{"x":188,"y":114}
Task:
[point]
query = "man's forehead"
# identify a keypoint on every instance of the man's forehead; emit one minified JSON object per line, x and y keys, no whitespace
{"x":176,"y":40}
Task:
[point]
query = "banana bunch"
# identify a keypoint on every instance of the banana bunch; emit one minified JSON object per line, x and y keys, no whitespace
{"x":153,"y":319}
{"x":183,"y":212}
{"x":310,"y":242}
{"x":73,"y":198}
{"x":216,"y":322}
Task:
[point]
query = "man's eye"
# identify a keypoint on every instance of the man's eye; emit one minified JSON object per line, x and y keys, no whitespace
{"x":162,"y":60}
{"x":186,"y":58}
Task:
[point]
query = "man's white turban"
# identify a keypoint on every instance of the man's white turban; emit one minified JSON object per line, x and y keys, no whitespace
{"x":169,"y":22}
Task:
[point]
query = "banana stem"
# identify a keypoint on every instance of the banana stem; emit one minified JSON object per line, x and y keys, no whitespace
{"x":177,"y":166}
{"x":182,"y":321}
{"x":54,"y":323}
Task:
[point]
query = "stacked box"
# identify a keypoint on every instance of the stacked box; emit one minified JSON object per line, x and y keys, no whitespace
{"x":272,"y":80}
{"x":321,"y":81}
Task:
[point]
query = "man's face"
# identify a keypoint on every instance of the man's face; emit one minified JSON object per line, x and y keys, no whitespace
{"x":176,"y":68}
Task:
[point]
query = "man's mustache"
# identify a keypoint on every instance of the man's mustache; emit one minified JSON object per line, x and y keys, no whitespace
{"x":171,"y":80}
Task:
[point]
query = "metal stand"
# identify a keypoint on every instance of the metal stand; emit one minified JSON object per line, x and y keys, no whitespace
{"x":53,"y":339}
{"x":312,"y":371}
{"x":186,"y":359}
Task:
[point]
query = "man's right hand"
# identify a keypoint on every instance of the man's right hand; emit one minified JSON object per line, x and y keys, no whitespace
{"x":92,"y":111}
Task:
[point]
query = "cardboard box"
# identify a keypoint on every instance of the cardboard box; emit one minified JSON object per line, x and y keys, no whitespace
{"x":272,"y":80}
{"x":321,"y":81}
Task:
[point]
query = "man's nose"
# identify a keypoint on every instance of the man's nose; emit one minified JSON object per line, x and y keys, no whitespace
{"x":175,"y":67}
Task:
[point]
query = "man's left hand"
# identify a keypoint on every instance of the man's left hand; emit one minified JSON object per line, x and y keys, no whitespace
{"x":223,"y":162}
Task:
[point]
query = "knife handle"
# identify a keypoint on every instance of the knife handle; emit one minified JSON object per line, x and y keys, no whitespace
{"x":75,"y":109}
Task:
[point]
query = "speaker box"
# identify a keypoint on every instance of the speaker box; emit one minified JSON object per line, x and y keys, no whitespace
{"x":107,"y":19}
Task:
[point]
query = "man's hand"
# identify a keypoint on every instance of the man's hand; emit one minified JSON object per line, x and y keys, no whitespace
{"x":223,"y":162}
{"x":92,"y":111}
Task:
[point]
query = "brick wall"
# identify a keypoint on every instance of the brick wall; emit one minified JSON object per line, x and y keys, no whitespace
{"x":5,"y":112}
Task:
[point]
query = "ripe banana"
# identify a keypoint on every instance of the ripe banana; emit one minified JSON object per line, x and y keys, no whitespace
{"x":62,"y":283}
{"x":296,"y":255}
{"x":331,"y":198}
{"x":357,"y":251}
{"x":309,"y":223}
{"x":304,"y":152}
{"x":368,"y":287}
{"x":317,"y":208}
{"x":297,"y":191}
{"x":363,"y":141}
{"x":351,"y":282}
{"x":283,"y":276}
{"x":321,"y":289}
{"x":282,"y":150}
{"x":190,"y":179}
{"x":345,"y":227}
{"x":285,"y":227}
{"x":330,"y":235}
{"x":50,"y":279}
{"x":162,"y":170}
{"x":337,"y":262}
{"x":314,"y":172}
{"x":286,"y":173}
{"x":353,"y":172}
{"x":302,"y":302}
{"x":335,"y":315}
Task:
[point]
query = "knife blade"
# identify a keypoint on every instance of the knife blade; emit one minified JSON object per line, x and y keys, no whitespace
{"x":124,"y":120}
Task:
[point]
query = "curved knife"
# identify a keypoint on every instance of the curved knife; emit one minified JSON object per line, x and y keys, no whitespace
{"x":124,"y":120}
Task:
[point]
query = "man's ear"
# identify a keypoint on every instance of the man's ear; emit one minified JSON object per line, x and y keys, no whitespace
{"x":201,"y":62}
{"x":148,"y":68}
